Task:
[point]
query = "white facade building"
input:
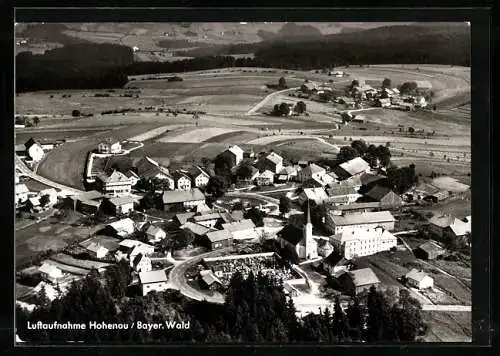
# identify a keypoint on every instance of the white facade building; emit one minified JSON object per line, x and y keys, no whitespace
{"x":363,"y":242}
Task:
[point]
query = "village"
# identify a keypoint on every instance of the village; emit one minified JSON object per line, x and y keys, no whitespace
{"x":322,"y":230}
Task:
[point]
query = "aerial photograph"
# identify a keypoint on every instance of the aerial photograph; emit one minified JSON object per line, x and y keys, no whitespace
{"x":242,"y":182}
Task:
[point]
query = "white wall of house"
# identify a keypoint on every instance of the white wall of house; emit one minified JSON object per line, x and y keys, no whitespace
{"x":36,"y":152}
{"x":158,"y":286}
{"x":184,"y":183}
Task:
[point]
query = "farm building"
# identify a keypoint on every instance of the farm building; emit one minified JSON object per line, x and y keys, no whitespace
{"x":110,"y":145}
{"x":272,"y":162}
{"x":383,"y":102}
{"x":316,"y":195}
{"x":314,"y":183}
{"x":121,"y":228}
{"x":183,"y":198}
{"x":34,"y":150}
{"x":338,"y":191}
{"x":96,"y":250}
{"x":355,"y":208}
{"x":442,"y":225}
{"x":311,"y":171}
{"x":130,"y":248}
{"x":429,"y":250}
{"x":358,"y":281}
{"x":439,"y":196}
{"x":50,"y":273}
{"x":21,"y":191}
{"x":265,"y":178}
{"x":384,"y":195}
{"x":153,"y":281}
{"x":20,"y":150}
{"x":363,"y":242}
{"x":34,"y":205}
{"x":121,"y":205}
{"x":141,"y":263}
{"x":116,"y":184}
{"x":197,"y":231}
{"x":353,"y":167}
{"x":182,"y":180}
{"x":155,"y":233}
{"x":241,"y":230}
{"x":150,"y":170}
{"x":419,"y":279}
{"x":235,"y":154}
{"x":218,"y":239}
{"x":208,"y":280}
{"x":369,"y":220}
{"x":183,"y":218}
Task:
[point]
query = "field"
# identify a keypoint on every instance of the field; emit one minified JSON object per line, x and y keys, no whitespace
{"x":448,"y":326}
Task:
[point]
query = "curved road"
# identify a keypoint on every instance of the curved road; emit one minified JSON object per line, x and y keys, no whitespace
{"x":177,"y":279}
{"x":28,"y":172}
{"x":264,"y":101}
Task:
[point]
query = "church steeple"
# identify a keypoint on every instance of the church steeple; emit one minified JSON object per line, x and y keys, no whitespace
{"x":308,"y":221}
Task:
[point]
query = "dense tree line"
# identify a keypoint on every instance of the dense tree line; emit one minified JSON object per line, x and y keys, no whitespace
{"x":255,"y":310}
{"x":402,"y":178}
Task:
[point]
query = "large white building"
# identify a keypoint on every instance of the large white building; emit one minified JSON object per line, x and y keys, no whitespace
{"x":362,"y":220}
{"x":109,"y":146}
{"x":116,"y":184}
{"x":363,"y":242}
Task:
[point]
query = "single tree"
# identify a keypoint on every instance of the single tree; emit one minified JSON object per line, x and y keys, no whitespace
{"x":282,"y":82}
{"x":256,"y":215}
{"x":75,"y":113}
{"x":300,"y":108}
{"x":285,"y":204}
{"x":216,"y":186}
{"x":386,"y":83}
{"x":360,"y":146}
{"x":346,"y":153}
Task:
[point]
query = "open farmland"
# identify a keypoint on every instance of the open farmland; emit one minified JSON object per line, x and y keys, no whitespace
{"x":197,"y":135}
{"x":448,"y":326}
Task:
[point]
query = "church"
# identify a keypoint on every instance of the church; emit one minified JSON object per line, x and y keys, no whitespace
{"x":300,"y":239}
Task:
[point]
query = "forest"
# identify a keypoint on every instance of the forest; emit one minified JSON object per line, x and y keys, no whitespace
{"x":255,"y":310}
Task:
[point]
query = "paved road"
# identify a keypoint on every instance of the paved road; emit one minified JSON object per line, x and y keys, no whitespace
{"x":28,"y":172}
{"x":177,"y":279}
{"x":264,"y":101}
{"x":254,"y":196}
{"x":448,"y":308}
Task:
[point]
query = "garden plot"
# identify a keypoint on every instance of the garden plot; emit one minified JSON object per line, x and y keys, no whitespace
{"x":154,"y":133}
{"x":450,"y":184}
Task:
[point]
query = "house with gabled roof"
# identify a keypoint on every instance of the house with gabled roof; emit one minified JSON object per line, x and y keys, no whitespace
{"x":182,"y":180}
{"x":265,"y":178}
{"x":272,"y":162}
{"x":184,"y":198}
{"x":109,"y":145}
{"x":141,"y":263}
{"x":353,"y":167}
{"x":116,"y":184}
{"x":339,"y":191}
{"x":419,"y":279}
{"x":121,"y":205}
{"x":153,"y":281}
{"x":364,"y":220}
{"x":316,"y":195}
{"x":50,"y":272}
{"x":149,"y":170}
{"x":96,"y":250}
{"x":121,"y":228}
{"x":429,"y":250}
{"x":386,"y":196}
{"x":357,"y":281}
{"x":235,"y":154}
{"x":155,"y":233}
{"x":34,"y":150}
{"x":199,"y":177}
{"x":21,"y":192}
{"x":311,"y":171}
{"x":209,"y":280}
{"x":241,"y":230}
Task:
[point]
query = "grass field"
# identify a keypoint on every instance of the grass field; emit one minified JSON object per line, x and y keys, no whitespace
{"x":448,"y":326}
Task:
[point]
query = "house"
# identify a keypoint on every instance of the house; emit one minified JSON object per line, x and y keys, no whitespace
{"x":197,"y":231}
{"x":325,"y":248}
{"x":368,"y":220}
{"x":303,"y":164}
{"x":311,"y":171}
{"x":89,"y":206}
{"x":241,"y":230}
{"x":155,"y":234}
{"x":50,"y":273}
{"x":110,"y":145}
{"x":121,"y":228}
{"x":142,"y":263}
{"x":20,"y":150}
{"x":121,"y":205}
{"x":419,"y":279}
{"x":442,"y":225}
{"x":116,"y":184}
{"x":272,"y":162}
{"x":314,"y":183}
{"x":357,"y":281}
{"x":208,"y":280}
{"x":132,"y":176}
{"x":210,"y":219}
{"x":183,"y":218}
{"x":16,"y":177}
{"x":265,"y":178}
{"x":183,"y":198}
{"x":317,"y":195}
{"x":387,"y":198}
{"x":288,"y":173}
{"x":111,"y":244}
{"x":199,"y":178}
{"x":235,"y":154}
{"x":153,"y":281}
{"x":438,"y":196}
{"x":34,"y":150}
{"x":383,"y":102}
{"x":182,"y":180}
{"x":34,"y":205}
{"x":21,"y":191}
{"x":218,"y":239}
{"x":347,"y":192}
{"x":131,"y":248}
{"x":96,"y":250}
{"x":353,"y":167}
{"x":49,"y":196}
{"x":429,"y":250}
{"x":335,"y":263}
{"x":150,"y":170}
{"x":308,"y":88}
{"x":363,"y":242}
{"x":328,"y":178}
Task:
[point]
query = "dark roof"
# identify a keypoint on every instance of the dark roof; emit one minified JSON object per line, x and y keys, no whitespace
{"x":378,"y":192}
{"x":184,"y":217}
{"x":339,"y":190}
{"x":291,"y":233}
{"x":354,"y":206}
{"x":369,"y":178}
{"x":219,"y":235}
{"x":334,"y":259}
